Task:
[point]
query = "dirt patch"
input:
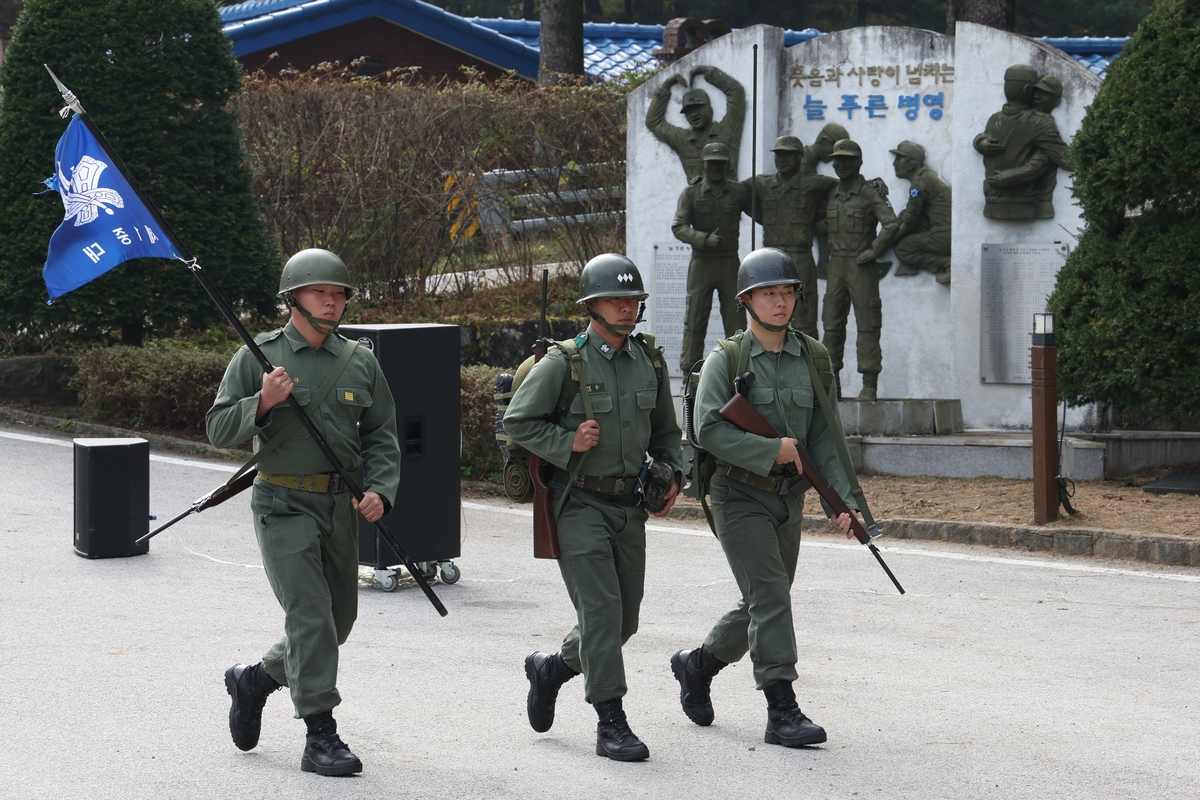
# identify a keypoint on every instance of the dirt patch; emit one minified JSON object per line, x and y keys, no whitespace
{"x":1109,"y":505}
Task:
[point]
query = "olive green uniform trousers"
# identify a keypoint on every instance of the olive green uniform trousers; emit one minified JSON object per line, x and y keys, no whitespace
{"x":852,"y":285}
{"x":309,"y":545}
{"x":603,"y":564}
{"x":716,"y":271}
{"x":760,"y":534}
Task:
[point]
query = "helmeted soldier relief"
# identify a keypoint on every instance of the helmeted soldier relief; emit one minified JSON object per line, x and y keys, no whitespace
{"x":821,"y":151}
{"x":1022,"y":150}
{"x":923,"y":239}
{"x":855,"y":210}
{"x":689,"y":143}
{"x":787,"y":204}
{"x":708,"y":217}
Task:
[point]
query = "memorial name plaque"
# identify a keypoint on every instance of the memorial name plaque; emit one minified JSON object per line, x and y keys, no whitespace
{"x":670,"y":302}
{"x":1016,"y":280}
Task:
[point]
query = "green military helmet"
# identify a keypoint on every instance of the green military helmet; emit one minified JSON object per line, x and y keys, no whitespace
{"x":767,"y":266}
{"x":610,"y":275}
{"x":314,"y":266}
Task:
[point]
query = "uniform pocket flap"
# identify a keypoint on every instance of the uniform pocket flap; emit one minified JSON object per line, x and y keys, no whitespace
{"x":647,"y":398}
{"x":803,"y":396}
{"x":353,"y":396}
{"x":601,"y":403}
{"x":762,"y":395}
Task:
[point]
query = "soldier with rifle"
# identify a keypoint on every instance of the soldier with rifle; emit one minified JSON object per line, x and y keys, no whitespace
{"x":305,"y":515}
{"x":597,"y":440}
{"x":757,"y":488}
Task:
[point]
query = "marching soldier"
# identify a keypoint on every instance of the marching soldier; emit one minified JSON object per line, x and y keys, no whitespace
{"x":923,"y":238}
{"x":758,"y":499}
{"x":304,"y":516}
{"x":787,"y":205}
{"x":855,"y":210}
{"x":623,"y":411}
{"x":709,"y":217}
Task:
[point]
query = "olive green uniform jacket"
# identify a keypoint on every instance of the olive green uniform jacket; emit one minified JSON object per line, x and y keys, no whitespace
{"x":309,"y":540}
{"x":602,"y":538}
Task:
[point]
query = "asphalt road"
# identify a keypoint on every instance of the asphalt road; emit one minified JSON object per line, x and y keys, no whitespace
{"x":996,"y":675}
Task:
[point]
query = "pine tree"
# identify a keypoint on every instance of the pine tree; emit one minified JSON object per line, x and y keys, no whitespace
{"x":1127,"y":303}
{"x":156,"y":77}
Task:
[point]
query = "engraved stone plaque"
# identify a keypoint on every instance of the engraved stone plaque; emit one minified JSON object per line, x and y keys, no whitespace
{"x":670,"y":302}
{"x":1016,"y":280}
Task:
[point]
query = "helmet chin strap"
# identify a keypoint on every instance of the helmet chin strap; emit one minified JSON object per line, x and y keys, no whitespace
{"x":769,"y":326}
{"x":321,"y":326}
{"x":620,"y":331}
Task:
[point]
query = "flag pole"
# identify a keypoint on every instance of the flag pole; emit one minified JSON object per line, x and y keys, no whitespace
{"x":231,"y":317}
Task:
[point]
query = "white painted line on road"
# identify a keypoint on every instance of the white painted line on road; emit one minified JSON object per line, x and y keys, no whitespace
{"x":185,"y":462}
{"x":1021,"y":562}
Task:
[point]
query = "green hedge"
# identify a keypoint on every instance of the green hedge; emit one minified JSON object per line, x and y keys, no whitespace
{"x":481,"y":457}
{"x":166,"y":384}
{"x":171,"y":384}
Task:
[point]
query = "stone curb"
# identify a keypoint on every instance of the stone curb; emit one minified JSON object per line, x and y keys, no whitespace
{"x":74,"y":426}
{"x":1175,"y":551}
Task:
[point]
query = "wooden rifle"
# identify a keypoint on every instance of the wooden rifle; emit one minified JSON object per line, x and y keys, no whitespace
{"x":741,"y":413}
{"x":545,"y":529}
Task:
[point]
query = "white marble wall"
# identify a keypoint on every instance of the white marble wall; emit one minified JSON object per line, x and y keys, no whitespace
{"x":931,"y":334}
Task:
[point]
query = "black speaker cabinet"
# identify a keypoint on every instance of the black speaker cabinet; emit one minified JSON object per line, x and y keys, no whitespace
{"x":112,"y":497}
{"x":421,"y":364}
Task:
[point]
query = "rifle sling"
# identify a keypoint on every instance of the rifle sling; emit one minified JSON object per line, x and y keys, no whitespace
{"x":338,"y":368}
{"x":834,"y":422}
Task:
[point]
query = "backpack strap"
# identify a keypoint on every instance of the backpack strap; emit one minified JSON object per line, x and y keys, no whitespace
{"x":656,"y":355}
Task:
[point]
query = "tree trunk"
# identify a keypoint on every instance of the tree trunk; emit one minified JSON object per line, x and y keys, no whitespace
{"x":1000,"y":14}
{"x":561,"y":40}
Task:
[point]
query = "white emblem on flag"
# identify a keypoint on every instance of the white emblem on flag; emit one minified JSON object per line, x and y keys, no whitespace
{"x":625,"y":277}
{"x":81,"y":195}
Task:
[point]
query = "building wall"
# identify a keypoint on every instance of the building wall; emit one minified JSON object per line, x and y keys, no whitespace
{"x":389,"y":45}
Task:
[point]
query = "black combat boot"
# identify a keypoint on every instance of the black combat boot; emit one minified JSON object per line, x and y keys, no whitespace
{"x":786,"y":724}
{"x":613,"y":738}
{"x":546,"y":672}
{"x":694,"y":669}
{"x":324,"y":751}
{"x":249,"y":687}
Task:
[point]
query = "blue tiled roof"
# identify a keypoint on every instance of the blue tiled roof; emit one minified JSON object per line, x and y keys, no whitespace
{"x":609,"y":49}
{"x":261,"y":24}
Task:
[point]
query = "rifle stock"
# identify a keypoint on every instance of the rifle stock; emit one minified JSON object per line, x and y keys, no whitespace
{"x":545,"y":529}
{"x":741,"y":413}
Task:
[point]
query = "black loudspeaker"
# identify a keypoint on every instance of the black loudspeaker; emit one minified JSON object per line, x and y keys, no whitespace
{"x":112,"y":497}
{"x":421,"y":365}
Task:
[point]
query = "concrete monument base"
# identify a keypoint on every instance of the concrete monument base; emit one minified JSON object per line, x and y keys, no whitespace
{"x":901,"y":417}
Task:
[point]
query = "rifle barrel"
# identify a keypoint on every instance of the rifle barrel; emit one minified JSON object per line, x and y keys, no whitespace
{"x":166,"y":525}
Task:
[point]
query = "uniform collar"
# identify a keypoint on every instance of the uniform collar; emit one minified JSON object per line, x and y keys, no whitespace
{"x":705,"y":186}
{"x":604,"y":348}
{"x":332,"y":342}
{"x":851,"y":187}
{"x":790,"y":345}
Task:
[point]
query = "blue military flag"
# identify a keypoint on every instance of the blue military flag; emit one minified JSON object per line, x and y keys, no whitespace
{"x":105,"y":221}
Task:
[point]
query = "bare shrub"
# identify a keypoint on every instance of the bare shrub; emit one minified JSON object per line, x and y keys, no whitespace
{"x":370,"y":168}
